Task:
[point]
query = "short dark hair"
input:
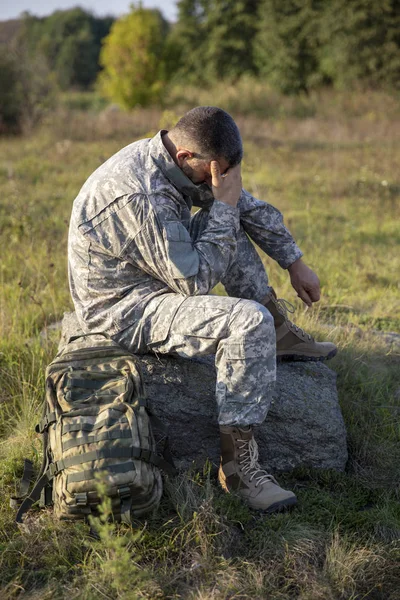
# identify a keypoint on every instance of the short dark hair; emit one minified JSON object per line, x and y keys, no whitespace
{"x":214,"y":132}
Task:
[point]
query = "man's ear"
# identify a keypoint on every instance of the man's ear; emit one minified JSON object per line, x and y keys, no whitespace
{"x":183,"y":154}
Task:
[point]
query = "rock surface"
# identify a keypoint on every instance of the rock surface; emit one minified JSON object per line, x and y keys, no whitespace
{"x":304,"y":426}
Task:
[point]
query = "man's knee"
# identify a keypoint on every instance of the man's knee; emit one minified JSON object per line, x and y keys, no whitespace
{"x":252,"y":326}
{"x":250,"y":315}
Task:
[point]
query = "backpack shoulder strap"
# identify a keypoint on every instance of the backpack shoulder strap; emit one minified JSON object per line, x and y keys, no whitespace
{"x":24,"y":484}
{"x":34,"y":495}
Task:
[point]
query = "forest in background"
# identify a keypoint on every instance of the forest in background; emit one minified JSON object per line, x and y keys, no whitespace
{"x":293,"y":47}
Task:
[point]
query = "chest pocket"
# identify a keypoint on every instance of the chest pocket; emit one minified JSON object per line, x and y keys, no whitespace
{"x":183,"y":260}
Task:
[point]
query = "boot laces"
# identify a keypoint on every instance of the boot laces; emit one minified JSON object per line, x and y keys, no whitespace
{"x":249,"y":463}
{"x":285,"y":307}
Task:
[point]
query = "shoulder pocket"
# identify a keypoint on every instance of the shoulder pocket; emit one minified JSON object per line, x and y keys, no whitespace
{"x":183,"y":260}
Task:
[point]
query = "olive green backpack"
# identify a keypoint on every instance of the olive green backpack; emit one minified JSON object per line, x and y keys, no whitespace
{"x":96,"y":425}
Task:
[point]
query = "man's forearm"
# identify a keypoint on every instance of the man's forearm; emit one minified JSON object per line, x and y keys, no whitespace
{"x":264,"y":224}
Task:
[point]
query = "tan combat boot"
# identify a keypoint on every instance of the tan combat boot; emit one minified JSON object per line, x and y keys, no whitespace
{"x":240,"y":472}
{"x":292,"y":343}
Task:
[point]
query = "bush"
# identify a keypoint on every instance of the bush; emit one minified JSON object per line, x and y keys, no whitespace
{"x":9,"y":105}
{"x":26,"y":90}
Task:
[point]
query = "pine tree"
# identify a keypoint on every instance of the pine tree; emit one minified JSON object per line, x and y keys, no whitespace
{"x":305,"y":43}
{"x":215,"y":39}
{"x":287,"y":45}
{"x":232,"y":27}
{"x":187,"y":42}
{"x":361,"y":42}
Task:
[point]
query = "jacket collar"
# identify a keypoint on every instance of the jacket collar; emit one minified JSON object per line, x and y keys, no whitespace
{"x":198,"y":195}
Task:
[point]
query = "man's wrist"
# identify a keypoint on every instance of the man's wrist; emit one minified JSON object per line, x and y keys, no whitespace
{"x":295,"y":265}
{"x":288,"y":256}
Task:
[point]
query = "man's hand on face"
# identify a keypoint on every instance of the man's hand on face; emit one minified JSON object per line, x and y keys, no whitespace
{"x":305,"y":282}
{"x":227,"y":187}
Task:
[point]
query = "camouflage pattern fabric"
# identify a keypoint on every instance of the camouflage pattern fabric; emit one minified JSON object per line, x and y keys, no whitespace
{"x":141,"y":269}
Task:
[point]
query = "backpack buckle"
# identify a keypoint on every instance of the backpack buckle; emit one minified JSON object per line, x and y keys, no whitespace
{"x":52,"y":470}
{"x":81,"y":499}
{"x":145,"y":454}
{"x":125,"y":496}
{"x":55,"y":468}
{"x":45,"y":423}
{"x":124,"y":492}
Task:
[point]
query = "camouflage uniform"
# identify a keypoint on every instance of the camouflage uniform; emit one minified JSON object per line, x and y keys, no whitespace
{"x":141,"y":269}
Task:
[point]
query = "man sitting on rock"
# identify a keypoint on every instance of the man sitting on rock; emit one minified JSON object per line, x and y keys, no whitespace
{"x":142,"y":269}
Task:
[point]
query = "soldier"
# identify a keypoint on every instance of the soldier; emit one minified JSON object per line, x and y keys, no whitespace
{"x":142,"y":269}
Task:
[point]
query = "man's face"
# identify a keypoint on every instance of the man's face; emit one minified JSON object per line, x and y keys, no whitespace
{"x":199,"y":171}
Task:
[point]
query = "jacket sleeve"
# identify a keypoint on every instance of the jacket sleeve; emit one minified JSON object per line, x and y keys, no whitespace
{"x":264,"y":224}
{"x":187,"y":267}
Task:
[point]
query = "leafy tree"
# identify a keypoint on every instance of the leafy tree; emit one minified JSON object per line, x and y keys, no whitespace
{"x":132,"y":58}
{"x":71,"y":42}
{"x":76,"y":62}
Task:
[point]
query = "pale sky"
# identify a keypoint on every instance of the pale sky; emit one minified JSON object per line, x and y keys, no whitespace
{"x":10,"y":9}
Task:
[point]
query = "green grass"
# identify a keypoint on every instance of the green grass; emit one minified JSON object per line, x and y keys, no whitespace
{"x":332,"y":168}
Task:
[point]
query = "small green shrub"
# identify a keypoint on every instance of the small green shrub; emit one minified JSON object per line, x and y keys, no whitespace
{"x":132,"y":59}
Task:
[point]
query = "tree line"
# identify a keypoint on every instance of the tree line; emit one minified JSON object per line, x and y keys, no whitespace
{"x":293,"y":45}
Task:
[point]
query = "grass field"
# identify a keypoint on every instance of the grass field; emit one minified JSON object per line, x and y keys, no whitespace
{"x":331,"y":165}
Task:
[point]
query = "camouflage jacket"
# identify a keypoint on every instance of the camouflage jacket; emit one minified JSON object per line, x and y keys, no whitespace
{"x":129,"y":239}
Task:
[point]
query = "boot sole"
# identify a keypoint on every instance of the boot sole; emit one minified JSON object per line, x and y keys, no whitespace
{"x":281,"y":506}
{"x":277,"y":507}
{"x":304,"y":358}
{"x":273,"y":508}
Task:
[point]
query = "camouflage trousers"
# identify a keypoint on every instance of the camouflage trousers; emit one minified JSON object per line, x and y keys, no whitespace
{"x":237,"y":329}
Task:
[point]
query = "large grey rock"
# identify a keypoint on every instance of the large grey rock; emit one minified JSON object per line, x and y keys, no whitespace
{"x":304,"y":426}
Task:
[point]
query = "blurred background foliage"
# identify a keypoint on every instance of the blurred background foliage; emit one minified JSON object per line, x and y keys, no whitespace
{"x":70,"y":41}
{"x":292,"y":46}
{"x":133,"y":59}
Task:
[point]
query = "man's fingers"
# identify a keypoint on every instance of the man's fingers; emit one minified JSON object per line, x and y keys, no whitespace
{"x":314,"y":294}
{"x":226,"y":189}
{"x":215,"y":173}
{"x":302,"y":294}
{"x":313,"y":290}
